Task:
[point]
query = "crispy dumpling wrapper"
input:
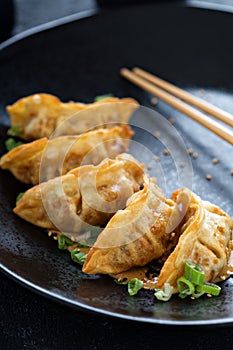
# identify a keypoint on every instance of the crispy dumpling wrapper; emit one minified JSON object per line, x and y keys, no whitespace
{"x":205,"y":239}
{"x":39,"y":115}
{"x":45,"y":159}
{"x":87,"y":195}
{"x":136,"y":235}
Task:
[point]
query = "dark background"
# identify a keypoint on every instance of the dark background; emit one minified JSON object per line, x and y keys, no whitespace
{"x":31,"y":321}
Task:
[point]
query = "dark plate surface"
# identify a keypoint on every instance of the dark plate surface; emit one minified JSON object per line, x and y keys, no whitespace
{"x":81,"y":59}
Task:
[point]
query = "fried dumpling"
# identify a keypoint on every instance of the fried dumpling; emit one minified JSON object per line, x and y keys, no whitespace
{"x":39,"y":115}
{"x":86,"y":195}
{"x":136,"y":235}
{"x":205,"y":239}
{"x":44,"y":159}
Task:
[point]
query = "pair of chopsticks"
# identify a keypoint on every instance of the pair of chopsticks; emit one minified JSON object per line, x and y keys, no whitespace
{"x":175,"y":97}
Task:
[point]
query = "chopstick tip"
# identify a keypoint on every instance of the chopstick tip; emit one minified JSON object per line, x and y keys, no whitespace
{"x":123,"y":71}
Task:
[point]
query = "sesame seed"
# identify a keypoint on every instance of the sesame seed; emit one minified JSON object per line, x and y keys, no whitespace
{"x":195,"y":155}
{"x":157,"y":158}
{"x":37,"y":99}
{"x":153,"y":101}
{"x":171,"y":120}
{"x":215,"y":160}
{"x":166,"y":152}
{"x":208,"y":177}
{"x":182,"y":164}
{"x":156,"y":134}
{"x":190,"y":150}
{"x":231,"y":172}
{"x":149,"y":167}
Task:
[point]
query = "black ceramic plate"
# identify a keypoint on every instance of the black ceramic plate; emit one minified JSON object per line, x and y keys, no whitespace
{"x":81,"y":59}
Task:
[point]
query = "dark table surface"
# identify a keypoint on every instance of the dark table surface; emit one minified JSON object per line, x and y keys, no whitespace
{"x":32,"y":321}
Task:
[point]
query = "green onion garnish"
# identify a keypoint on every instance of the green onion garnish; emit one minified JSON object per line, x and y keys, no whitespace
{"x":20,"y":195}
{"x":11,"y":143}
{"x":185,"y":287}
{"x":192,"y":283}
{"x":102,"y":97}
{"x":64,"y":241}
{"x":81,"y":245}
{"x":209,"y":288}
{"x":134,"y":286}
{"x":194,"y":273}
{"x":14,"y":131}
{"x":78,"y":256}
{"x":164,"y":295}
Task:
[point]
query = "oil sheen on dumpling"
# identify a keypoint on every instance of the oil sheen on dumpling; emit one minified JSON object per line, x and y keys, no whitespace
{"x":136,"y":235}
{"x":45,"y":159}
{"x":205,"y":239}
{"x":86,"y":195}
{"x":39,"y":115}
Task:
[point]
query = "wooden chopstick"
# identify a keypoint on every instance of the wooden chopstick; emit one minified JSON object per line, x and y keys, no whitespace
{"x":186,"y":96}
{"x":183,"y":107}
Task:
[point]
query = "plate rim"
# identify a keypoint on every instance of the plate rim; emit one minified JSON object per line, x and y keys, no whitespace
{"x":48,"y":25}
{"x":96,"y":11}
{"x":78,"y":305}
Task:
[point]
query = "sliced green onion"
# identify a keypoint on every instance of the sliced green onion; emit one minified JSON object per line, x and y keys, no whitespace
{"x":64,"y":241}
{"x":209,"y":288}
{"x":102,"y":97}
{"x":134,"y":286}
{"x":166,"y":294}
{"x":81,"y":245}
{"x":20,"y":195}
{"x":194,"y":273}
{"x":14,"y":131}
{"x":11,"y":144}
{"x":185,"y":287}
{"x":78,"y":256}
{"x":61,"y":242}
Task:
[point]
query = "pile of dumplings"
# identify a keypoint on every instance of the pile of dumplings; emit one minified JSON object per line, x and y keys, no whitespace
{"x":76,"y":159}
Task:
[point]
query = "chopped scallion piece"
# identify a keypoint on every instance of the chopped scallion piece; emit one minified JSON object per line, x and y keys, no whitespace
{"x":11,"y":144}
{"x":194,"y":273}
{"x":14,"y":131}
{"x":64,"y":241}
{"x":20,"y":195}
{"x":209,"y":288}
{"x":81,"y":245}
{"x":134,"y":286}
{"x":164,"y":295}
{"x":61,"y":242}
{"x":78,"y":256}
{"x":102,"y":97}
{"x":185,"y":287}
